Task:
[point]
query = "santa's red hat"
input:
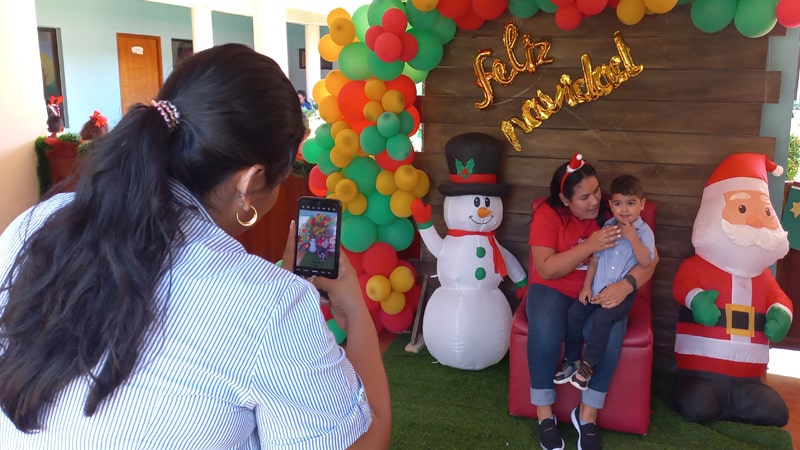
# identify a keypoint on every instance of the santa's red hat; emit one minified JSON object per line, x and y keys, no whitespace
{"x":745,"y":165}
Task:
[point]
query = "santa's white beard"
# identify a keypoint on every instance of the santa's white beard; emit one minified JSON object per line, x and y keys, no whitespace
{"x":749,"y":251}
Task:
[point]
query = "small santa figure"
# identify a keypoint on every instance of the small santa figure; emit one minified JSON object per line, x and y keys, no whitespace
{"x":732,"y":305}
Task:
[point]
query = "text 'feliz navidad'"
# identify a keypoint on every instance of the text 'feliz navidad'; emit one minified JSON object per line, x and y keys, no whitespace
{"x":596,"y":82}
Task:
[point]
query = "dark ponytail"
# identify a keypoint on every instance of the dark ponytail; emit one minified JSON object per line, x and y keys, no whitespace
{"x":82,"y":293}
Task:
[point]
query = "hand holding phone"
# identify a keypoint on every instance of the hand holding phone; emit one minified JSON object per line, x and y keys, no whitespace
{"x":317,"y":247}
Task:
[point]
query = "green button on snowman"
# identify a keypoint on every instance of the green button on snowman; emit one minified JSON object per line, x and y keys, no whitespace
{"x":467,"y":321}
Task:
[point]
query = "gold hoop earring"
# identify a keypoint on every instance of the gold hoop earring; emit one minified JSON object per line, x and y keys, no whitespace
{"x":252,"y":220}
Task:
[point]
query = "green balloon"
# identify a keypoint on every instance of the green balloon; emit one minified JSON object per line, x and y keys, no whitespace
{"x":406,"y":122}
{"x":416,"y":75}
{"x":378,"y":7}
{"x":445,"y":29}
{"x":372,"y":141}
{"x":430,"y":50}
{"x":399,"y":234}
{"x":382,"y":70}
{"x":399,"y":147}
{"x":354,"y":61}
{"x":547,"y":6}
{"x":323,"y":136}
{"x":388,"y":124}
{"x":363,"y":170}
{"x":339,"y":334}
{"x":358,"y":233}
{"x":419,"y":19}
{"x":755,"y":18}
{"x":324,"y":163}
{"x":523,"y":8}
{"x":379,"y":210}
{"x":311,"y":150}
{"x":712,"y":16}
{"x":361,"y":22}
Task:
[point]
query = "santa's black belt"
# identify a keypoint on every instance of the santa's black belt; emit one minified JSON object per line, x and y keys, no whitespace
{"x":740,"y":318}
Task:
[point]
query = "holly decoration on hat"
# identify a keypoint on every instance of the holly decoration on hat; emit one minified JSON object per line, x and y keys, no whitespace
{"x":465,"y":170}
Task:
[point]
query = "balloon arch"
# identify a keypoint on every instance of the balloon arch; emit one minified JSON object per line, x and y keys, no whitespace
{"x":363,"y":153}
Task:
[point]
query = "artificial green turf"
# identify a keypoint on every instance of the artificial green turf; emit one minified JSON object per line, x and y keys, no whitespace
{"x":437,"y":407}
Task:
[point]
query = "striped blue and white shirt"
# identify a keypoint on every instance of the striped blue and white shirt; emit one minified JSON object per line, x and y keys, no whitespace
{"x":243,"y":359}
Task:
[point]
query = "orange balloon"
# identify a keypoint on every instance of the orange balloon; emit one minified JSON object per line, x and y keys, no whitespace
{"x":329,"y":109}
{"x":374,"y":89}
{"x":400,"y":203}
{"x":373,"y":110}
{"x":379,"y":288}
{"x":358,"y":206}
{"x":402,"y":279}
{"x":393,"y":101}
{"x":338,"y":126}
{"x":346,"y":190}
{"x":660,"y":6}
{"x":339,"y":158}
{"x":343,"y":31}
{"x":394,"y":303}
{"x":337,"y":13}
{"x":332,"y":180}
{"x":348,"y":142}
{"x":328,"y":49}
{"x":423,"y":184}
{"x":425,"y":5}
{"x":384,"y":182}
{"x":319,"y":91}
{"x":630,"y":12}
{"x":334,"y":81}
{"x":406,"y":177}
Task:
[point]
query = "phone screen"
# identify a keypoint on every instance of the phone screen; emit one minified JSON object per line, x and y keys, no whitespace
{"x":318,"y":234}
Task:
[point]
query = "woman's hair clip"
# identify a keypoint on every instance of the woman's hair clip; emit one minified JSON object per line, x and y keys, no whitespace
{"x":169,"y":113}
{"x":99,"y":120}
{"x":575,"y":163}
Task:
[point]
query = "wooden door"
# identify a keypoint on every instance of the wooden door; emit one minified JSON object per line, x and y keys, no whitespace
{"x":140,"y":73}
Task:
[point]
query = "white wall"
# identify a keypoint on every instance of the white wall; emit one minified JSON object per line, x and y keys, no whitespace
{"x":22,"y":117}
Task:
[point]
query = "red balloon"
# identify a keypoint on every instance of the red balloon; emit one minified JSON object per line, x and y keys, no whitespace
{"x":453,"y":8}
{"x":380,"y":259}
{"x":372,"y":33}
{"x":394,"y":21}
{"x":561,"y":3}
{"x":397,"y":323}
{"x":613,"y":3}
{"x":326,"y":311}
{"x":352,"y":100}
{"x":489,"y":9}
{"x":470,"y":21}
{"x":388,"y":47}
{"x":356,"y":260}
{"x":316,"y":182}
{"x":415,"y":114}
{"x":568,"y":17}
{"x":405,"y":85}
{"x":359,"y":125}
{"x":410,"y":47}
{"x":788,"y":13}
{"x":386,"y":162}
{"x":412,"y":296}
{"x":591,"y":7}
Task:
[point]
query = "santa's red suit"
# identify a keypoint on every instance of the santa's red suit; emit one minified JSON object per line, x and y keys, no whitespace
{"x":728,"y":292}
{"x":737,"y":348}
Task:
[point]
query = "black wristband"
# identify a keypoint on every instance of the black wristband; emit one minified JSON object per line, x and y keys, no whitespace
{"x":631,"y":280}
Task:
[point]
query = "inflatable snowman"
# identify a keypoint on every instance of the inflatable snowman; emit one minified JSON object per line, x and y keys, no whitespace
{"x":467,"y":321}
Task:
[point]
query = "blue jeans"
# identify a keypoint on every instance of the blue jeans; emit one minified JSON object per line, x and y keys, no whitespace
{"x":547,"y":326}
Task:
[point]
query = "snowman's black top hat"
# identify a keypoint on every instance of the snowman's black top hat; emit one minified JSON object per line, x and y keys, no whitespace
{"x":474,"y":161}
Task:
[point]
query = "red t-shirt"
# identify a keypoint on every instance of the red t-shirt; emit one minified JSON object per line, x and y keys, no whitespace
{"x":560,"y":230}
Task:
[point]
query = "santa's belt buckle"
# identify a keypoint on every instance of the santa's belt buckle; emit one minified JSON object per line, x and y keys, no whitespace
{"x":732,"y":311}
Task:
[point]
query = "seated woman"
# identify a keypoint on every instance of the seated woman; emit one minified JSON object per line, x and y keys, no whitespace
{"x":565,"y":232}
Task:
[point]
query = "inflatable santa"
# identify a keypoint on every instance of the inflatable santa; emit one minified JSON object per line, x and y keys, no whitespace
{"x":732,"y":307}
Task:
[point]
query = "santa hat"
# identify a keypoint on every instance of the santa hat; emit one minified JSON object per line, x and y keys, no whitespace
{"x":745,"y":165}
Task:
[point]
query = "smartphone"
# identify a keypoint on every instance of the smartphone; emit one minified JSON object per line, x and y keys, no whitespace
{"x":319,"y":226}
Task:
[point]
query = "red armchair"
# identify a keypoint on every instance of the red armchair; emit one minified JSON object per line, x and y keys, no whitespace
{"x":627,"y":406}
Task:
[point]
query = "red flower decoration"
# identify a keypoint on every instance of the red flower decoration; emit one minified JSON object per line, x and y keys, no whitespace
{"x":99,"y":119}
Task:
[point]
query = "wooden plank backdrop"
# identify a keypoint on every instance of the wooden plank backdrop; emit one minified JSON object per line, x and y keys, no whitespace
{"x":698,"y":100}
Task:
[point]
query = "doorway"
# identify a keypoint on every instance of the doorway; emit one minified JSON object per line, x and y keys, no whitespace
{"x":140,"y":72}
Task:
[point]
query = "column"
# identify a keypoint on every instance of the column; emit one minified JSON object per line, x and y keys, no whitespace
{"x":23,"y":116}
{"x":313,"y":69}
{"x":269,"y":31}
{"x":202,"y":29}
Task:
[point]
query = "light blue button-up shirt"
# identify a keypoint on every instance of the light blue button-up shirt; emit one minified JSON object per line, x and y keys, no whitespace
{"x":615,"y":262}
